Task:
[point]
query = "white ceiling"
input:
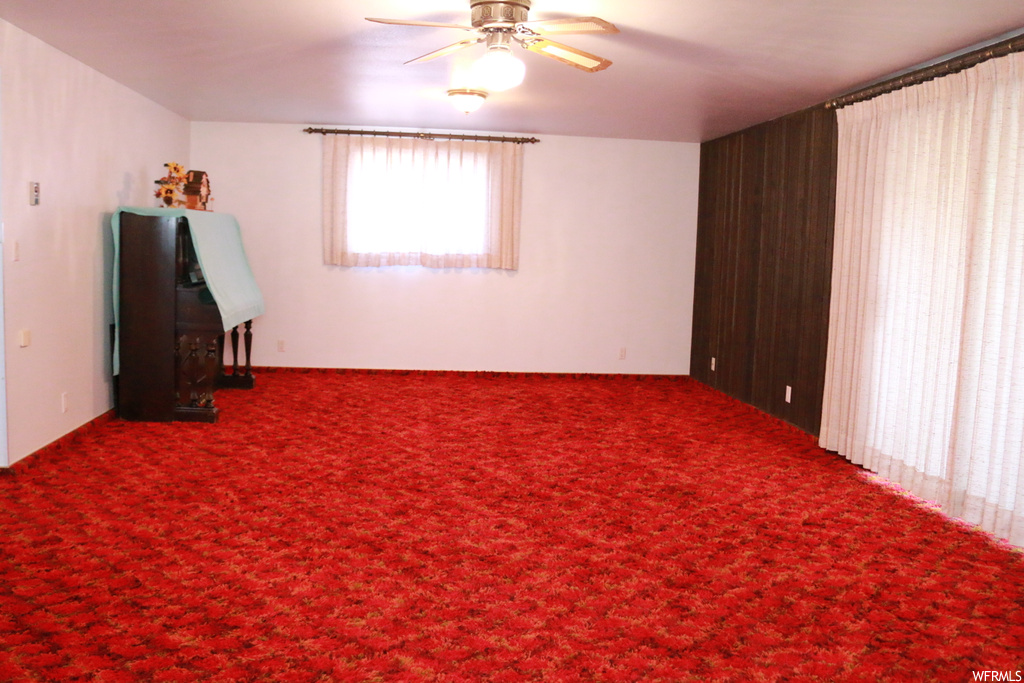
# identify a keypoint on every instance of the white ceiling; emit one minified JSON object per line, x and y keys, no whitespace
{"x":683,"y":70}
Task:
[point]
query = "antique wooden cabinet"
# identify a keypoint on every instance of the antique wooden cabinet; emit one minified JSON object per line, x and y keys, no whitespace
{"x":170,"y":331}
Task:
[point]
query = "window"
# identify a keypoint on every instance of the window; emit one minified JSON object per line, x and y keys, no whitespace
{"x":398,"y":201}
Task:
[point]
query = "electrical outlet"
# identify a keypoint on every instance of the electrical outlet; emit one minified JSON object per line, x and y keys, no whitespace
{"x":280,"y":345}
{"x":712,"y":363}
{"x":789,"y":394}
{"x":33,"y":194}
{"x":622,"y":353}
{"x":64,"y":402}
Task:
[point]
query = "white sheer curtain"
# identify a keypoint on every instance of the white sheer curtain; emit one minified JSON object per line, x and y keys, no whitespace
{"x":396,"y":201}
{"x":925,"y":370}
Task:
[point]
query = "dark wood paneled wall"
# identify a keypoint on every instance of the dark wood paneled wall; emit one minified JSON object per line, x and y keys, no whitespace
{"x":764,"y":263}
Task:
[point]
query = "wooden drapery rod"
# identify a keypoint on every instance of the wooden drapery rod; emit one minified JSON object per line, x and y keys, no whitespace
{"x":422,"y":136}
{"x":928,"y":73}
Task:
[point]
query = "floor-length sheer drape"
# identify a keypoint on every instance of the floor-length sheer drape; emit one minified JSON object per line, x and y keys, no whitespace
{"x":925,"y":370}
{"x":391,"y":201}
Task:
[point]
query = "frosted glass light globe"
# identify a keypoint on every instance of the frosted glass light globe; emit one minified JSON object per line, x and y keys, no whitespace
{"x":499,"y":70}
{"x":467,"y":101}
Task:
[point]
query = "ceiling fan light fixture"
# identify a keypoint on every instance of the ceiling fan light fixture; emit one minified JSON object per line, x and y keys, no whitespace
{"x":580,"y":59}
{"x":500,"y":24}
{"x":465,"y":100}
{"x":499,"y":70}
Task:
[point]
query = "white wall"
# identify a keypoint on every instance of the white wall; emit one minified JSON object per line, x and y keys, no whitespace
{"x":92,"y":144}
{"x":606,"y":262}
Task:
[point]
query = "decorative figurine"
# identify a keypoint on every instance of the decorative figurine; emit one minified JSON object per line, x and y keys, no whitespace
{"x":197,"y":190}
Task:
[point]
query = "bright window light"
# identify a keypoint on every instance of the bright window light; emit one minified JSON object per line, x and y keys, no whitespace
{"x":401,"y":203}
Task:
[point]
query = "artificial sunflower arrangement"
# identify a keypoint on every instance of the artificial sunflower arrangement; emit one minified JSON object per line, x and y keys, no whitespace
{"x":171,"y":187}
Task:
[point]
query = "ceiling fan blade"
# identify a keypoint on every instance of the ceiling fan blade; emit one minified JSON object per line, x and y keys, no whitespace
{"x":402,"y":22}
{"x":455,"y":47}
{"x":549,"y":27}
{"x":565,"y":54}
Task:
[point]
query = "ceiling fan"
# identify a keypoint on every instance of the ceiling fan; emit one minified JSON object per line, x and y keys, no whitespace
{"x":500,"y":24}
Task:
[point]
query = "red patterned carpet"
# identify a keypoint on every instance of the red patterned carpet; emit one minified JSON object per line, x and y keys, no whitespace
{"x":342,"y":526}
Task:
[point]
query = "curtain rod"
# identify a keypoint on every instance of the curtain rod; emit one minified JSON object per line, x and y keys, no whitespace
{"x":422,"y":136}
{"x":946,"y":68}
